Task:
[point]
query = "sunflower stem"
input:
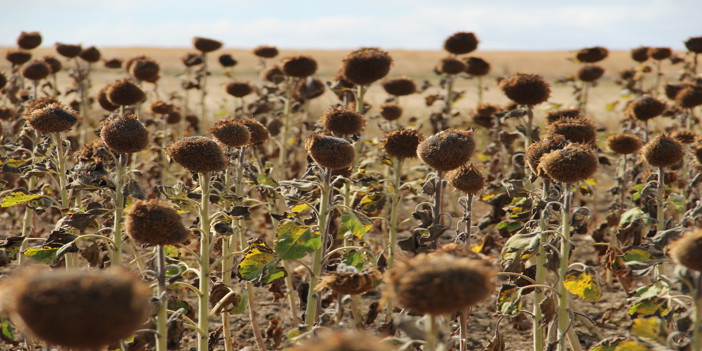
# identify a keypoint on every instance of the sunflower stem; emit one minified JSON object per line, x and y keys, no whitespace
{"x":204,"y":281}
{"x":432,"y":331}
{"x":660,"y":204}
{"x":563,"y":315}
{"x":162,"y":292}
{"x":117,"y":236}
{"x":312,"y":297}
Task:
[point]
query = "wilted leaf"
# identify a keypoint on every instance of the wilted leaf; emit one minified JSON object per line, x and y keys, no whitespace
{"x":583,"y":284}
{"x":509,"y":300}
{"x":259,"y":264}
{"x":354,"y":258}
{"x":632,"y":215}
{"x":631,"y":346}
{"x":371,"y":203}
{"x":496,"y":344}
{"x":294,"y":241}
{"x":642,"y":257}
{"x":354,"y":223}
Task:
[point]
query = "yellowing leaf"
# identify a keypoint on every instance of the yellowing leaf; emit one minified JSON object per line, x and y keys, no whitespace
{"x":583,"y":284}
{"x":486,"y":197}
{"x":591,"y":181}
{"x":300,"y":208}
{"x":648,"y":329}
{"x":354,"y":223}
{"x":631,"y":346}
{"x":509,"y":300}
{"x":294,"y":241}
{"x":371,"y":203}
{"x":259,"y":264}
{"x":654,"y":306}
{"x":265,"y":180}
{"x":18,"y":197}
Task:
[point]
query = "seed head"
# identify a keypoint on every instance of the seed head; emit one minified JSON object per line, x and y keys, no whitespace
{"x":7,"y":113}
{"x":18,"y":57}
{"x":52,"y":118}
{"x":310,"y":88}
{"x":231,"y":133}
{"x":161,"y":107}
{"x":198,"y":154}
{"x":475,"y":66}
{"x":155,"y":223}
{"x":125,"y":134}
{"x":467,"y":179}
{"x":440,"y":283}
{"x":39,"y":103}
{"x":226,"y":60}
{"x":461,"y":43}
{"x":366,"y":65}
{"x":672,"y":90}
{"x":53,"y":63}
{"x":124,"y":92}
{"x":684,"y":136}
{"x":29,"y":40}
{"x":346,"y":283}
{"x":266,"y":51}
{"x":624,"y":144}
{"x":90,"y":54}
{"x":192,"y":59}
{"x":145,"y":69}
{"x":173,"y":117}
{"x":542,"y":147}
{"x":570,"y":164}
{"x":662,"y":151}
{"x":330,"y":152}
{"x":487,"y":109}
{"x":3,"y":80}
{"x":687,"y":250}
{"x":239,"y":89}
{"x":104,"y":102}
{"x":68,"y":50}
{"x":390,"y":112}
{"x":592,"y":55}
{"x":343,"y":121}
{"x":450,"y":65}
{"x":113,"y":63}
{"x":590,"y":73}
{"x":299,"y":66}
{"x":645,"y":108}
{"x":78,"y":308}
{"x":259,"y":132}
{"x":526,"y":89}
{"x":400,"y":86}
{"x":555,"y":115}
{"x":575,"y":130}
{"x":206,"y":45}
{"x":690,"y":96}
{"x":694,"y":44}
{"x":274,"y":75}
{"x":660,"y":53}
{"x":640,"y":54}
{"x":36,"y":70}
{"x":402,"y":143}
{"x":447,"y":150}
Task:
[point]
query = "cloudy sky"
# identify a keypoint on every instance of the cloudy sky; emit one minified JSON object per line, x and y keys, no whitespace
{"x":339,"y":24}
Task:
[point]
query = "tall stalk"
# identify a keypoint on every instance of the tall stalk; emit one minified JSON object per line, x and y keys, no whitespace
{"x":438,"y":193}
{"x":61,"y":165}
{"x":204,"y":286}
{"x":660,"y":204}
{"x":120,"y":166}
{"x":563,"y":315}
{"x":540,"y":278}
{"x":394,"y":207}
{"x":161,"y":291}
{"x":203,"y":87}
{"x":287,"y":111}
{"x":312,"y":297}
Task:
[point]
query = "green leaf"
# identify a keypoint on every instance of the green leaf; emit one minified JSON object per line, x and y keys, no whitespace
{"x":18,"y":197}
{"x":45,"y":254}
{"x":520,"y":244}
{"x":259,"y":264}
{"x":509,"y":301}
{"x":511,"y":226}
{"x":354,"y":258}
{"x":265,"y":180}
{"x":654,"y":306}
{"x":583,"y":284}
{"x":7,"y":329}
{"x":354,"y":223}
{"x":294,"y":241}
{"x":648,"y":329}
{"x":632,"y":215}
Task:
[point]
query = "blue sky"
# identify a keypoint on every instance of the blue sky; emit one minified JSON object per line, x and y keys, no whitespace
{"x":333,"y":24}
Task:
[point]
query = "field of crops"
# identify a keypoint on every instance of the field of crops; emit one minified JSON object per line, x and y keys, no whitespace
{"x":266,"y":199}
